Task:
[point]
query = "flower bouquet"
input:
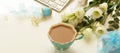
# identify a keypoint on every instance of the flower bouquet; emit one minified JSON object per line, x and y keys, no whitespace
{"x":103,"y":17}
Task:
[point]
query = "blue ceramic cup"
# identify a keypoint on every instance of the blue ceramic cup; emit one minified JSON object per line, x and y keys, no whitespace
{"x":64,"y":46}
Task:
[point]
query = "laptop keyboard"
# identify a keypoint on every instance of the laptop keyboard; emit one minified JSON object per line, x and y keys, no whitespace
{"x":57,"y":5}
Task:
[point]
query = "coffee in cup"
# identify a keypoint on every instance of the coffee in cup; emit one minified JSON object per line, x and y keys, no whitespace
{"x":63,"y":35}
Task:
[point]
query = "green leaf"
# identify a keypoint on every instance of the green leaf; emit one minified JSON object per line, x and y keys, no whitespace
{"x":99,"y":19}
{"x":111,"y":5}
{"x":91,"y":21}
{"x":102,"y":1}
{"x":116,"y":20}
{"x":118,"y":8}
{"x":71,"y":15}
{"x":85,"y":23}
{"x":118,"y":13}
{"x":95,"y":0}
{"x":110,"y":29}
{"x":108,"y":1}
{"x":111,"y":22}
{"x":72,"y":18}
{"x":110,"y":10}
{"x":114,"y":15}
{"x":117,"y":2}
{"x":65,"y":21}
{"x":116,"y":26}
{"x":92,"y":3}
{"x":87,"y":8}
{"x":86,"y":17}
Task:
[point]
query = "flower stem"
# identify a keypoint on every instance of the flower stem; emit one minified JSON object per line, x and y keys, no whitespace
{"x":104,"y":18}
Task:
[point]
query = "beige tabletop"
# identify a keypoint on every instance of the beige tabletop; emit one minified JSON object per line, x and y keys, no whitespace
{"x":18,"y":35}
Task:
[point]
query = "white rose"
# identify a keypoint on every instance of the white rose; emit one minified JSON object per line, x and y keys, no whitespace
{"x":103,"y":7}
{"x":96,"y":13}
{"x":100,"y":31}
{"x":80,"y":13}
{"x":88,"y":32}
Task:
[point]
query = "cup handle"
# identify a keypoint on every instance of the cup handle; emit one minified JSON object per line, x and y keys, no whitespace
{"x":79,"y":36}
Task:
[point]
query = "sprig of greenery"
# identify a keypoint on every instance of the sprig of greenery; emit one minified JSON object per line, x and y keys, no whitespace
{"x":88,"y":21}
{"x":95,"y":3}
{"x":113,"y":24}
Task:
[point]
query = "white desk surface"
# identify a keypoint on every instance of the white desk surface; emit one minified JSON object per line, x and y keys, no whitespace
{"x":20,"y":36}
